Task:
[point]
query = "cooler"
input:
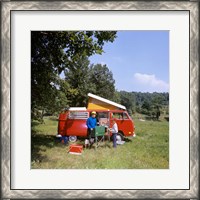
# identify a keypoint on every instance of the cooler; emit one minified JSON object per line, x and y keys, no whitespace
{"x":76,"y":149}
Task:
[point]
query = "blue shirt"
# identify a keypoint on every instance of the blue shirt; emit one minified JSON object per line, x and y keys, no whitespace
{"x":91,"y":122}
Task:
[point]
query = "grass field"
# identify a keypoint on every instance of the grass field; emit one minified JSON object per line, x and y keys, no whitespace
{"x":148,"y":150}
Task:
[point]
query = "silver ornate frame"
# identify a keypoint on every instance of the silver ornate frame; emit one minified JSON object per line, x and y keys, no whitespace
{"x":191,"y":6}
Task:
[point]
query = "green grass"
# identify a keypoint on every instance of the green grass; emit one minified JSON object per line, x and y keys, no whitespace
{"x":148,"y":150}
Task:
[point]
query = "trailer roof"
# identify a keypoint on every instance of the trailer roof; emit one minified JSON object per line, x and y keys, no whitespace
{"x":77,"y":108}
{"x":106,"y":101}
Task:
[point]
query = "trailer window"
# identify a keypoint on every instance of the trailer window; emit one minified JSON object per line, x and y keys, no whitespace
{"x":102,"y":114}
{"x":117,"y":115}
{"x":78,"y":115}
{"x":102,"y":118}
{"x":125,"y":116}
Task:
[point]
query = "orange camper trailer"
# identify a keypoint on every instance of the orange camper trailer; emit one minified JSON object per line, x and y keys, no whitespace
{"x":72,"y":122}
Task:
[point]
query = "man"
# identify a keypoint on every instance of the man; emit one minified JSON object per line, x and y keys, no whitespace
{"x":91,"y":124}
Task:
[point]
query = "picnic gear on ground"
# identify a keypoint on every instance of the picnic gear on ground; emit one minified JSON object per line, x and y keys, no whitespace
{"x":75,"y":149}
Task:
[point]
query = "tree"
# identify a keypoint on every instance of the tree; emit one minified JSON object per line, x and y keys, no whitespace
{"x":85,"y":78}
{"x":158,"y":98}
{"x":102,"y":79}
{"x":128,"y":100}
{"x":78,"y":77}
{"x":54,"y":52}
{"x":146,"y":105}
{"x":117,"y":97}
{"x":157,"y":113}
{"x":56,"y":94}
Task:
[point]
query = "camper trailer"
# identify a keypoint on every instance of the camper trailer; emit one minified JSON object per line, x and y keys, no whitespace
{"x":72,"y":122}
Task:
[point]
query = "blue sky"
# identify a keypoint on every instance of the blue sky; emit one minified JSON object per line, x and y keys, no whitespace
{"x":139,"y":60}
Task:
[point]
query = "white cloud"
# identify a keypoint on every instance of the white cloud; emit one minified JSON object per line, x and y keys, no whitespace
{"x":151,"y":83}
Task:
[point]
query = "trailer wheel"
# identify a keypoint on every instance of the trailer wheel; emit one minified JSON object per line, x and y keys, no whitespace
{"x":72,"y":138}
{"x":119,"y":137}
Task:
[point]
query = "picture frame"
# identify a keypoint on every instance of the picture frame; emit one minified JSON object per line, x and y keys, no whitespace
{"x":6,"y":95}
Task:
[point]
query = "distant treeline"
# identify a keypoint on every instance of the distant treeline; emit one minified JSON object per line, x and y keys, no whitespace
{"x":151,"y":104}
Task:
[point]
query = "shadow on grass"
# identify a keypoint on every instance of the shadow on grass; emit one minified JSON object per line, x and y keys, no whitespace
{"x":40,"y":143}
{"x":127,"y":140}
{"x":167,"y":118}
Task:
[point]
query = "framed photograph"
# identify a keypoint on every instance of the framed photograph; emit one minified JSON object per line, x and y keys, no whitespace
{"x":157,"y":45}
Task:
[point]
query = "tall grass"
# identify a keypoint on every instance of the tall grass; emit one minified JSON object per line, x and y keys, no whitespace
{"x":148,"y":150}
